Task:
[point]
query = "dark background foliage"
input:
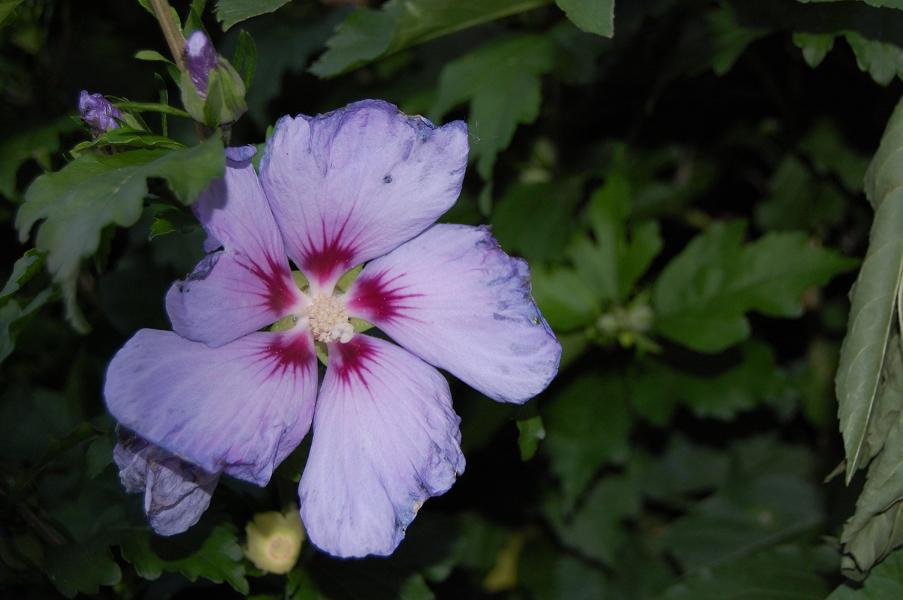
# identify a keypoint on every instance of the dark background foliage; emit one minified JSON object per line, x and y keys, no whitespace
{"x":690,"y":195}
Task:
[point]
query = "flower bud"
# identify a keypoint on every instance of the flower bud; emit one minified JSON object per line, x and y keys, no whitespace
{"x":98,"y":112}
{"x":213,"y":92}
{"x":200,"y":58}
{"x":274,"y":540}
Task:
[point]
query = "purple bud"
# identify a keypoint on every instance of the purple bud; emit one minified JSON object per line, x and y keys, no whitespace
{"x":200,"y":57}
{"x":98,"y":112}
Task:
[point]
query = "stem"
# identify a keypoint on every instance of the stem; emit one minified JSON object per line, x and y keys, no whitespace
{"x":171,"y":30}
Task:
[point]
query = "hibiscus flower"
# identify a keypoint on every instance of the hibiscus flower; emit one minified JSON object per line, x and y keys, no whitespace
{"x":233,"y":388}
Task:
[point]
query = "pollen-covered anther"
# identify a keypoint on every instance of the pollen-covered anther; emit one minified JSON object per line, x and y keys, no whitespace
{"x":329,"y":320}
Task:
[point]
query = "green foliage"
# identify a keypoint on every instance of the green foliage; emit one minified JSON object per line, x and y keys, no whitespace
{"x":245,"y":58}
{"x":7,"y":7}
{"x":873,"y":324}
{"x":703,"y":295}
{"x":38,"y":144}
{"x":218,"y":558}
{"x":768,"y":496}
{"x":13,"y":315}
{"x":501,"y":83}
{"x":95,"y":191}
{"x":612,"y":263}
{"x":78,"y":569}
{"x":885,"y":581}
{"x":230,"y":12}
{"x":596,"y":528}
{"x":594,"y":17}
{"x":785,"y":572}
{"x":721,"y":392}
{"x":370,"y":34}
{"x":534,"y":219}
{"x":588,"y":425}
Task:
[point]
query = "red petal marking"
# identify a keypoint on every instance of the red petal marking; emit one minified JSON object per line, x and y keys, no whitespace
{"x":352,"y":358}
{"x":380,"y":298}
{"x":329,"y":261}
{"x":289,"y":353}
{"x":281,"y":293}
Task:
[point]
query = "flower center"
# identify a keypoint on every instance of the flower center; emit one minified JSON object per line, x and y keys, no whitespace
{"x":328,"y":319}
{"x":280,"y":548}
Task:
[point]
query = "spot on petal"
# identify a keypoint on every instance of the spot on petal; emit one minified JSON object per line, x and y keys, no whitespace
{"x":329,"y":260}
{"x":380,"y":297}
{"x":280,"y":294}
{"x":289,"y":353}
{"x":352,"y":359}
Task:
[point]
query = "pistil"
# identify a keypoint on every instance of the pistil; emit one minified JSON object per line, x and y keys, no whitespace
{"x":328,"y":319}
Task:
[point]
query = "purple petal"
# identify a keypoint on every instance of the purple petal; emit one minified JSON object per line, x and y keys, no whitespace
{"x":247,"y":285}
{"x":200,"y":58}
{"x":98,"y":112}
{"x":455,"y":299}
{"x":355,"y":183}
{"x":385,"y":439}
{"x":176,"y":493}
{"x":239,"y":408}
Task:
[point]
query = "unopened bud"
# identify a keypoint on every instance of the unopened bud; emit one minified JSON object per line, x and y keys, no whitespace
{"x":213,"y":92}
{"x":274,"y":540}
{"x":200,"y":58}
{"x":98,"y":112}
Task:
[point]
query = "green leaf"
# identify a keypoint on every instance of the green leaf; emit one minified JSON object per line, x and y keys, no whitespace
{"x":684,"y":468}
{"x":156,"y":107}
{"x":530,"y":432}
{"x":96,"y":191}
{"x":547,"y":572}
{"x":23,"y":270}
{"x":596,"y":528}
{"x":711,"y":390}
{"x":152,"y":56}
{"x":194,"y":19}
{"x":881,"y":60}
{"x":230,"y":12}
{"x":702,"y":297}
{"x":613,"y":263}
{"x":287,"y":44}
{"x":81,"y":568}
{"x":872,"y":324}
{"x":38,"y":143}
{"x":218,"y":558}
{"x":587,"y":425}
{"x":13,"y":318}
{"x":785,"y":572}
{"x":884,"y":583}
{"x":362,"y":37}
{"x":566,"y":301}
{"x":415,"y":588}
{"x":768,"y":498}
{"x":815,"y":46}
{"x":729,"y":38}
{"x":898,"y":4}
{"x":7,"y":7}
{"x":830,"y":154}
{"x":368,"y":34}
{"x":126,"y":137}
{"x":98,"y":456}
{"x":799,"y":200}
{"x":501,"y":83}
{"x":875,"y":528}
{"x":245,"y":58}
{"x":592,"y":16}
{"x":535,"y":220}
